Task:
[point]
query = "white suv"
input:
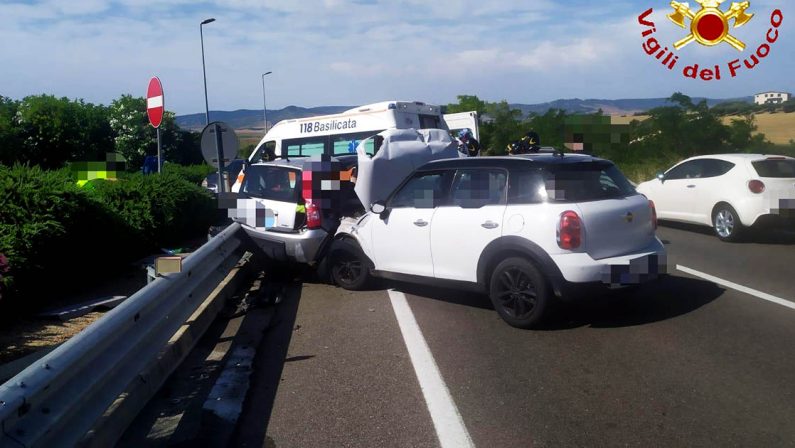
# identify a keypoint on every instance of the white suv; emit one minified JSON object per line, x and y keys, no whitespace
{"x":524,"y":229}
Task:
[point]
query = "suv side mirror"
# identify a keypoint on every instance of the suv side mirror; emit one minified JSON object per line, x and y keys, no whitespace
{"x":661,"y":176}
{"x":378,"y":208}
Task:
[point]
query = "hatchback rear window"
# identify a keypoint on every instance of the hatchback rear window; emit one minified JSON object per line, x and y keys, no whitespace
{"x":577,"y":182}
{"x":272,"y":182}
{"x":582,"y":182}
{"x":782,"y":168}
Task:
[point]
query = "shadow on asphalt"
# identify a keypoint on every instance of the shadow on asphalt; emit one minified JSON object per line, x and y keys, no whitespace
{"x":667,"y":298}
{"x":268,"y":364}
{"x":454,"y":296}
{"x":753,"y":235}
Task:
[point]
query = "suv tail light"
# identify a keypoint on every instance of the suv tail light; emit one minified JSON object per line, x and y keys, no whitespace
{"x":756,"y":186}
{"x":653,"y":214}
{"x":312,"y":216}
{"x":569,"y":230}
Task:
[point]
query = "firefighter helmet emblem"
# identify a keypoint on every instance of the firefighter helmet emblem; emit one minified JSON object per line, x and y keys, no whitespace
{"x":710,"y":25}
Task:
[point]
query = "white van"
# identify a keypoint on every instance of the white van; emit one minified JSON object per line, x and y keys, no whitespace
{"x":339,"y":134}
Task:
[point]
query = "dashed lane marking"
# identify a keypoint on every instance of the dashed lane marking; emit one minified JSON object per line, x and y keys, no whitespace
{"x":736,"y":287}
{"x":447,"y":420}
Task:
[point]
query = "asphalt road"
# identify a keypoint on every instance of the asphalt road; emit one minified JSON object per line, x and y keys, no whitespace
{"x":681,"y":362}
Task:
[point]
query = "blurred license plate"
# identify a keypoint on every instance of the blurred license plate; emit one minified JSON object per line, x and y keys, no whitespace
{"x":639,"y":270}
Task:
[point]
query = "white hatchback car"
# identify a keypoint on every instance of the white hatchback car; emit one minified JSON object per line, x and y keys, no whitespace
{"x":728,"y":192}
{"x":525,"y":229}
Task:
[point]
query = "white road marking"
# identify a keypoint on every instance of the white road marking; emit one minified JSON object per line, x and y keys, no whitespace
{"x":735,"y":286}
{"x":154,"y":102}
{"x":446,"y":419}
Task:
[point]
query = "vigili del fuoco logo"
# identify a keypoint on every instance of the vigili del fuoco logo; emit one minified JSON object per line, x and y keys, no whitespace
{"x":709,"y":25}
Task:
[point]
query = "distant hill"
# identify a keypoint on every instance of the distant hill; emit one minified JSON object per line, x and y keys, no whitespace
{"x":611,"y":107}
{"x":251,"y":119}
{"x":246,"y":119}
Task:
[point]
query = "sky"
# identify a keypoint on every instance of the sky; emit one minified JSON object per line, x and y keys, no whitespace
{"x":352,"y":52}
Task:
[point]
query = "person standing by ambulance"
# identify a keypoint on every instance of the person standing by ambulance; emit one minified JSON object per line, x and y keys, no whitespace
{"x":467,"y":144}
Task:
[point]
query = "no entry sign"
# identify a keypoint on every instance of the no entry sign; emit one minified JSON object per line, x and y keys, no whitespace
{"x":154,"y":102}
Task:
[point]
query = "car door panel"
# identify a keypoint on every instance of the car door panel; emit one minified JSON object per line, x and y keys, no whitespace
{"x":401,"y":239}
{"x":677,"y":193}
{"x":463,"y":228}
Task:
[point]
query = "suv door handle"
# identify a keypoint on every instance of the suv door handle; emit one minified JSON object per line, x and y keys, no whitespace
{"x":691,"y":186}
{"x":489,"y":225}
{"x":420,"y":223}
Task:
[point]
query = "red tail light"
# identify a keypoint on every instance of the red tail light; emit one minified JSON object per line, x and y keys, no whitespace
{"x":312,"y":216}
{"x":569,"y":231}
{"x":653,"y":214}
{"x":756,"y":186}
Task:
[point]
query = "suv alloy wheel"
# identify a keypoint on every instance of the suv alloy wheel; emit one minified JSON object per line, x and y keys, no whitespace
{"x":519,"y":292}
{"x":350,"y":268}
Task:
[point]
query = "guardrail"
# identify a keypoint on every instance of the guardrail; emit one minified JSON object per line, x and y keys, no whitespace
{"x":58,"y":400}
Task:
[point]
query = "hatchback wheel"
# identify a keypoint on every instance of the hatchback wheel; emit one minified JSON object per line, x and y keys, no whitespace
{"x":350,"y":268}
{"x":519,"y":293}
{"x":726,"y":223}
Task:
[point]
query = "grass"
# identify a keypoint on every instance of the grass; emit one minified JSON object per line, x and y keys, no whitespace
{"x":779,"y":128}
{"x":249,"y":136}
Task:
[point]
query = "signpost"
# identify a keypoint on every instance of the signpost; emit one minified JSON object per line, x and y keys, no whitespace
{"x":220,"y":146}
{"x":155,"y":107}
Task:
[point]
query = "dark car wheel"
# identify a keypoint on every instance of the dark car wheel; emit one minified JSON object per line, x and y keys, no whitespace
{"x":519,"y":293}
{"x":350,"y":268}
{"x":726,"y":223}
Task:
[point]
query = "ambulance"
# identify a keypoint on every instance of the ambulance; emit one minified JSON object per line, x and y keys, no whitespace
{"x":340,"y":134}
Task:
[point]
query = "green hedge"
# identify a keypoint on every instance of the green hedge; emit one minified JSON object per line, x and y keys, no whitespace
{"x":55,"y":233}
{"x":194,"y":174}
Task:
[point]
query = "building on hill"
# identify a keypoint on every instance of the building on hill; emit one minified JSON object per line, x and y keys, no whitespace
{"x":772,"y":97}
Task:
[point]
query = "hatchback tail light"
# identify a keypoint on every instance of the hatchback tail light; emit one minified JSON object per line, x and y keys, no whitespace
{"x":653,"y":214}
{"x":569,"y":230}
{"x":756,"y":186}
{"x":313,"y":220}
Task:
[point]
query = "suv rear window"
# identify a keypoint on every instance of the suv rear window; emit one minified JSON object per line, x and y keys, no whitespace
{"x":272,"y":182}
{"x":782,"y":168}
{"x":576,"y":182}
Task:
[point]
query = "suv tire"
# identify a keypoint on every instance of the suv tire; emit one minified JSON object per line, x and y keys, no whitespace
{"x":519,"y":293}
{"x":726,"y":223}
{"x":349,"y":266}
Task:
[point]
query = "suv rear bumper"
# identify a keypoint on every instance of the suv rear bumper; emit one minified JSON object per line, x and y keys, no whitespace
{"x":301,"y":246}
{"x":630,"y":269}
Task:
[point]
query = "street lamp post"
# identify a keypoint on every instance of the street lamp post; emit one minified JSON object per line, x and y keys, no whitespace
{"x":204,"y":71}
{"x":264,"y":104}
{"x":221,"y":181}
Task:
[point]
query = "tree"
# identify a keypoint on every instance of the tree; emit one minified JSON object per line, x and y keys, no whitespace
{"x":503,"y":128}
{"x":95,"y":133}
{"x":134,"y":137}
{"x":9,"y":132}
{"x":47,"y":131}
{"x":50,"y":131}
{"x":550,"y":126}
{"x":467,"y":103}
{"x":741,"y":132}
{"x":187,"y":150}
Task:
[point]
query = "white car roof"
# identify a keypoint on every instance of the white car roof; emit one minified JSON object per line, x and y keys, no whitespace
{"x":737,"y":157}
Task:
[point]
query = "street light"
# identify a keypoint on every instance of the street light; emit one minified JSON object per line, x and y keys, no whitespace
{"x":264,"y":105}
{"x":221,"y":181}
{"x":204,"y":71}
